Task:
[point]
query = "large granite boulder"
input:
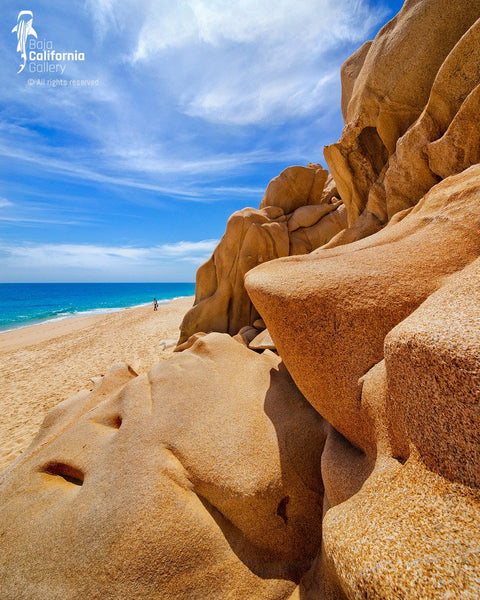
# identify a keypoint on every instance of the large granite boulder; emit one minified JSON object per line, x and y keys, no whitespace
{"x":384,"y":277}
{"x":200,"y":479}
{"x":401,"y":527}
{"x":383,"y":338}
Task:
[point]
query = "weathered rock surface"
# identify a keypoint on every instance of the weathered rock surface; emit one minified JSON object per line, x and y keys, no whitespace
{"x":459,"y":147}
{"x":262,"y":341}
{"x":383,"y":338}
{"x":306,"y":216}
{"x":327,"y":348}
{"x":391,"y":90}
{"x":221,"y":302}
{"x":305,"y":239}
{"x":408,"y":533}
{"x":296,"y":187}
{"x":296,"y":215}
{"x":411,"y":531}
{"x":200,"y":479}
{"x":349,"y":73}
{"x":437,"y":351}
{"x":445,"y":140}
{"x":330,"y":192}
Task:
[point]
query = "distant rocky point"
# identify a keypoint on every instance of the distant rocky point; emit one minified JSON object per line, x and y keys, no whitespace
{"x":317,"y":435}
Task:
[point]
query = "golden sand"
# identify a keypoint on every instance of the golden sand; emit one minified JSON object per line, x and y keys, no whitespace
{"x":44,"y":364}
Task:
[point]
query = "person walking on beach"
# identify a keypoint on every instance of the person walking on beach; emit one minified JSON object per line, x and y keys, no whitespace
{"x":155,"y":304}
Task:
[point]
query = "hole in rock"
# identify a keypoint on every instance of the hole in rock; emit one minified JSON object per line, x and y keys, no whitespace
{"x":66,"y":472}
{"x":282,"y":509}
{"x":113,"y":421}
{"x":373,"y":147}
{"x":400,"y":459}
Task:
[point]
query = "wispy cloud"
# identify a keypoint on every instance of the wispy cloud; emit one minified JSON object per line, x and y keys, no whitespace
{"x":92,"y":255}
{"x":200,"y":101}
{"x":189,"y":251}
{"x":216,"y":165}
{"x":253,"y":61}
{"x":28,"y":222}
{"x":124,"y":262}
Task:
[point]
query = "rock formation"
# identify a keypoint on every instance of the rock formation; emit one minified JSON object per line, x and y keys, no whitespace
{"x":297,"y":214}
{"x":144,"y":488}
{"x":383,"y":278}
{"x":389,"y":348}
{"x":221,"y":302}
{"x":402,"y":515}
{"x":406,"y":129}
{"x":392,"y":87}
{"x":446,"y":137}
{"x":213,"y":477}
{"x":296,"y":187}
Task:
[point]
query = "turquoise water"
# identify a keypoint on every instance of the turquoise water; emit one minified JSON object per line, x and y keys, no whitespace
{"x":29,"y":303}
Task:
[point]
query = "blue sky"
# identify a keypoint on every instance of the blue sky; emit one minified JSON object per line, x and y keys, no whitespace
{"x":199,"y":103}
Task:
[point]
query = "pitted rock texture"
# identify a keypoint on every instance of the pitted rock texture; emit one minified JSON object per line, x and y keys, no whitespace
{"x":200,"y":479}
{"x":383,"y":338}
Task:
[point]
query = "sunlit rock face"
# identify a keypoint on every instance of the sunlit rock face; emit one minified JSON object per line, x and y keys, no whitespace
{"x":298,"y":213}
{"x":212,"y":476}
{"x":221,"y":302}
{"x":445,"y":139}
{"x":380,"y":326}
{"x":383,"y":338}
{"x":418,"y":61}
{"x":329,"y":311}
{"x":200,"y":479}
{"x":381,"y":329}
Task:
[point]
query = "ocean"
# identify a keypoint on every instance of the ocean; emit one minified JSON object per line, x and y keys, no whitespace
{"x":24,"y":304}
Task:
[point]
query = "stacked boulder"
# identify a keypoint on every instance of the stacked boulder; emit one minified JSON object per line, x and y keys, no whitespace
{"x":298,"y":213}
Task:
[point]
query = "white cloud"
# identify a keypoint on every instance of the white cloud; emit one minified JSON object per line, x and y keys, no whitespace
{"x":93,"y":258}
{"x":104,"y":14}
{"x":28,"y":221}
{"x":4,"y":203}
{"x":244,"y":62}
{"x":191,"y":251}
{"x":215,"y":22}
{"x":253,"y":61}
{"x":130,"y":164}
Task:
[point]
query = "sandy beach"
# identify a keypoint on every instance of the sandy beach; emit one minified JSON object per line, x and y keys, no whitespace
{"x":42,"y":365}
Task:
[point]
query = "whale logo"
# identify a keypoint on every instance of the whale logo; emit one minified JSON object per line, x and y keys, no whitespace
{"x":24,"y":28}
